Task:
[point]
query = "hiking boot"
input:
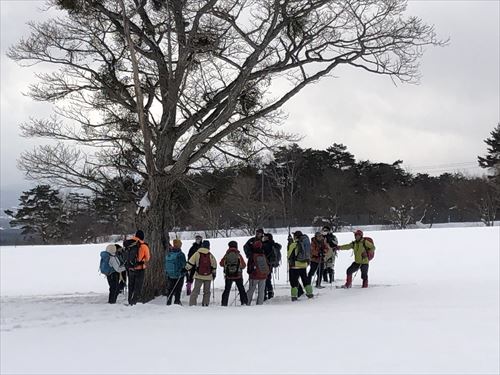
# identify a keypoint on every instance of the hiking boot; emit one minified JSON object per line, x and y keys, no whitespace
{"x":294,"y":299}
{"x":348,"y":282}
{"x":300,"y":291}
{"x":310,"y":295}
{"x":365,"y":283}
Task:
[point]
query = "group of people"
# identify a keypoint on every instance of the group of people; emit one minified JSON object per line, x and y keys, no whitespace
{"x":308,"y":260}
{"x":120,"y":263}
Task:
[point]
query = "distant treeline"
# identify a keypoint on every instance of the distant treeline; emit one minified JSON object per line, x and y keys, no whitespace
{"x":300,"y":187}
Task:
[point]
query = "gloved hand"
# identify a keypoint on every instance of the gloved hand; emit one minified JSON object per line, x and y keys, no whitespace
{"x":363,"y":254}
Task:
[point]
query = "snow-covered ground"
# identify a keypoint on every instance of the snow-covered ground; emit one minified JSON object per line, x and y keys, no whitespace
{"x":432,"y":307}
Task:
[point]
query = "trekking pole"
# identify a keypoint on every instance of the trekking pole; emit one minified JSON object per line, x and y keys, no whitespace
{"x":238,"y":293}
{"x":173,"y":289}
{"x":213,"y":294}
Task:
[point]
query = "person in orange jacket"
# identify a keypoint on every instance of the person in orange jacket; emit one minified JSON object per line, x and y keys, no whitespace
{"x":137,"y":271}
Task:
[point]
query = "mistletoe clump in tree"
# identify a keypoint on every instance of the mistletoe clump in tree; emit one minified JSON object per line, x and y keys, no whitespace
{"x":154,"y":89}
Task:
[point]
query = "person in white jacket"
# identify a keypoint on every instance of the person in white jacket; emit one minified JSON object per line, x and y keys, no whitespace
{"x":114,"y":277}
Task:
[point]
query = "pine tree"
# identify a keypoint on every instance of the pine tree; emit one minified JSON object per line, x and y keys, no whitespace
{"x":41,"y":214}
{"x":490,"y":203}
{"x":492,"y":159}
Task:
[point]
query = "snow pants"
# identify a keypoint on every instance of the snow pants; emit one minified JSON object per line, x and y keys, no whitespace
{"x":269,"y":292}
{"x":241,"y":291}
{"x":174,"y":289}
{"x":328,"y":275}
{"x":316,"y":268}
{"x":135,"y":281}
{"x":193,"y":298}
{"x":356,"y":266}
{"x":261,"y":287}
{"x":114,"y":286}
{"x":296,"y":274}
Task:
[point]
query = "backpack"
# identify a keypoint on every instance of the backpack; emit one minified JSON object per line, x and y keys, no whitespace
{"x":232,"y":264}
{"x":104,"y":266}
{"x":369,"y":253}
{"x":332,"y":241}
{"x":303,"y":249}
{"x":275,"y":255}
{"x":130,"y":253}
{"x":260,"y":266}
{"x":204,"y":265}
{"x":173,"y":266}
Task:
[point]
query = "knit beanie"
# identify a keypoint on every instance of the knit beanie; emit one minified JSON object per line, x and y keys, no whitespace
{"x":140,"y":235}
{"x":206,"y":244}
{"x":111,"y":249}
{"x":233,"y":244}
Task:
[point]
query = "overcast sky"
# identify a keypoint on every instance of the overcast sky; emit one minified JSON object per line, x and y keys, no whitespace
{"x":434,"y":127}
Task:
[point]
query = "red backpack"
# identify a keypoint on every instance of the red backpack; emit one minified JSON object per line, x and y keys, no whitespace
{"x":369,"y":253}
{"x":260,"y":266}
{"x":204,"y":265}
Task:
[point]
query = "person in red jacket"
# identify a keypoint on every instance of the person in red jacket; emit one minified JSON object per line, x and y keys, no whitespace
{"x":319,"y":251}
{"x":136,"y":273}
{"x":233,"y":263}
{"x":258,"y":270}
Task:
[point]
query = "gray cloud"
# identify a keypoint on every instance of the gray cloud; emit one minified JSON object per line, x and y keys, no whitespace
{"x":441,"y":121}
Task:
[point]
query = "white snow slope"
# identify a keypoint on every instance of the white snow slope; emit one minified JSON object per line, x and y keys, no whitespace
{"x":432,"y":308}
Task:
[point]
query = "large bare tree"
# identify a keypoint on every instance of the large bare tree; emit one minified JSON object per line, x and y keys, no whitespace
{"x":212,"y":77}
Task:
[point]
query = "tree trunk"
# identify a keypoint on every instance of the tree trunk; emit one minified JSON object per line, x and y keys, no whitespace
{"x":157,"y":223}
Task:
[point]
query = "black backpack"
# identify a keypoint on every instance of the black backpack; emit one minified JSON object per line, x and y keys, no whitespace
{"x":130,"y":253}
{"x":232,"y":264}
{"x":275,"y":255}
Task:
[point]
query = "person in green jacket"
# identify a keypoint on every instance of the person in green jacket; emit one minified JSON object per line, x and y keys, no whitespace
{"x":297,"y":268}
{"x":361,"y":248}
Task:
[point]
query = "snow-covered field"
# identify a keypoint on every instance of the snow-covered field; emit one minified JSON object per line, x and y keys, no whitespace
{"x":432,"y":307}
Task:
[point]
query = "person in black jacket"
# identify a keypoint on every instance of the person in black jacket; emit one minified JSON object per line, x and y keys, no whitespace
{"x":272,"y":251}
{"x":247,"y":248}
{"x":198,"y":239}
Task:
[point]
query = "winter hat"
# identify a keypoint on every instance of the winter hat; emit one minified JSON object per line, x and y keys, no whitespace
{"x":260,"y":230}
{"x":206,"y":244}
{"x":111,"y":248}
{"x":318,"y":234}
{"x":326,"y":228}
{"x":197,"y":235}
{"x":140,"y":235}
{"x":269,"y":236}
{"x":359,"y":232}
{"x":177,"y":243}
{"x":233,"y":244}
{"x":297,"y":234}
